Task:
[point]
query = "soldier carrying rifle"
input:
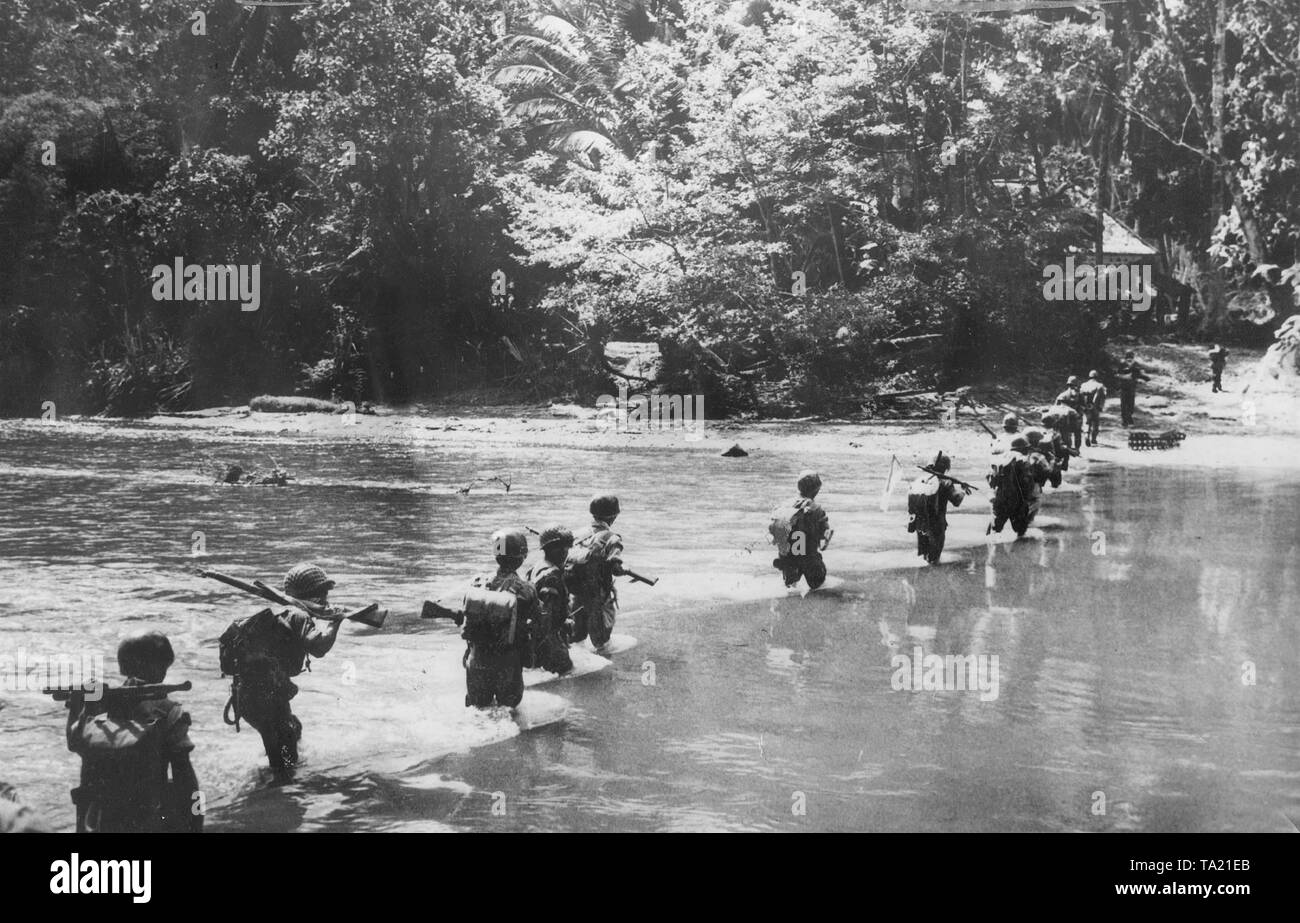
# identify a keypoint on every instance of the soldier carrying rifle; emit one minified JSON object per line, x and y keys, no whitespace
{"x":263,"y":651}
{"x":927,"y":506}
{"x":128,"y":737}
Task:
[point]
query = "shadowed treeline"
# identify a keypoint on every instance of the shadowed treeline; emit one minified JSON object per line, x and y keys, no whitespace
{"x":806,"y":204}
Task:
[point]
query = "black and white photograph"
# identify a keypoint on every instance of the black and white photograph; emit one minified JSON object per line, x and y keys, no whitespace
{"x":651,"y":416}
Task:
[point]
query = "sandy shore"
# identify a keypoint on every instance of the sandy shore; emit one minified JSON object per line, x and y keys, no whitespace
{"x":1225,"y":429}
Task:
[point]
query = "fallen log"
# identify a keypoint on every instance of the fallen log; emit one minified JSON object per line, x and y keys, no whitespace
{"x":269,"y":403}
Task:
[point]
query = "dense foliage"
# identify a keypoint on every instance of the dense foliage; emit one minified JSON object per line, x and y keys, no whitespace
{"x":807,"y":203}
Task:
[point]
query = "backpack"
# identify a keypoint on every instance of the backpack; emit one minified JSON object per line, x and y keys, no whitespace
{"x":923,"y":505}
{"x":260,"y":636}
{"x":584,"y":573}
{"x":1013,"y":481}
{"x":786,"y":520}
{"x":491,"y":619}
{"x":123,"y":769}
{"x":1093,"y":398}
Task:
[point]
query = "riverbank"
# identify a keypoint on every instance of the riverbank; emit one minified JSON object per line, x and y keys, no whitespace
{"x":1177,"y":397}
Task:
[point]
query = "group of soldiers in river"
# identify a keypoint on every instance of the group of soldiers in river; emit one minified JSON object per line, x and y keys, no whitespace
{"x":136,"y":733}
{"x":1023,"y":463}
{"x":131,"y":736}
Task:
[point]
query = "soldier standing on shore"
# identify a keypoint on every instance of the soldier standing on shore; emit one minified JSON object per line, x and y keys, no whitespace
{"x":1129,"y":373}
{"x":1218,"y":359}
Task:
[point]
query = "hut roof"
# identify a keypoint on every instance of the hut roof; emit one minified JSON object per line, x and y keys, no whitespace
{"x":1117,"y":238}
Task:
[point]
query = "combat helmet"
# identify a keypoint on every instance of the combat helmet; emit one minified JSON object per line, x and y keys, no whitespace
{"x":509,"y":543}
{"x":604,"y":506}
{"x":555,"y":534}
{"x":306,"y":581}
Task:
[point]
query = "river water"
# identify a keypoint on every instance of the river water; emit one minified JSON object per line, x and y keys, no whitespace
{"x":1127,"y":631}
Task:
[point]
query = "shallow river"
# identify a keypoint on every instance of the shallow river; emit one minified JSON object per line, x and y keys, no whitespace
{"x":1127,"y":630}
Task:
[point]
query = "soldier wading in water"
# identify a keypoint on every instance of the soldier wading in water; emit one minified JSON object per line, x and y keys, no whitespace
{"x":927,"y":504}
{"x":263,"y":651}
{"x":548,"y":637}
{"x":494,"y":670}
{"x":595,"y":560}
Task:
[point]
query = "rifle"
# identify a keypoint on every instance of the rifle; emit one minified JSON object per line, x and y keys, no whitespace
{"x":118,"y":693}
{"x":370,"y":615}
{"x":929,"y":469}
{"x":977,"y":419}
{"x":636,"y":578}
{"x":432,"y":610}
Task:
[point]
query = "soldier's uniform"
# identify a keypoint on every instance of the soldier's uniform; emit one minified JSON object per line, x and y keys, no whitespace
{"x":108,"y":803}
{"x":494,"y":672}
{"x":1063,"y":420}
{"x":273,"y":649}
{"x":129,"y":744}
{"x":261,"y":691}
{"x":927,"y":501}
{"x":1072,"y":397}
{"x":1013,"y":482}
{"x":1010,"y":431}
{"x":1218,"y":358}
{"x":1042,"y":470}
{"x":814,"y":524}
{"x":1129,"y":374}
{"x":600,"y":550}
{"x":1094,"y":401}
{"x":548,"y":647}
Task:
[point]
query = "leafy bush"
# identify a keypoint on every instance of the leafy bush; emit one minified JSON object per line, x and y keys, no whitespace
{"x":342,"y":375}
{"x":151,"y":375}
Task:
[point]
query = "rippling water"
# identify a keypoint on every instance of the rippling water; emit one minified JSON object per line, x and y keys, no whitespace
{"x":1120,"y":672}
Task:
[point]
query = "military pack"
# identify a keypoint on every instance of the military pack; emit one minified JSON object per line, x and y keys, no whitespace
{"x":584,"y":571}
{"x":923,"y":505}
{"x":122,"y":758}
{"x":786,"y":520}
{"x":491,"y":618}
{"x":261,"y":637}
